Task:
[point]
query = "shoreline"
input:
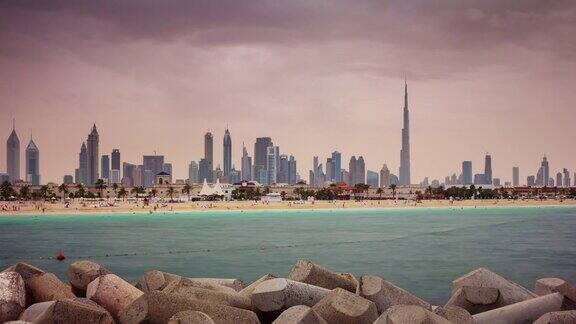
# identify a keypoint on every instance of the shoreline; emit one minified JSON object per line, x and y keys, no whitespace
{"x":28,"y":209}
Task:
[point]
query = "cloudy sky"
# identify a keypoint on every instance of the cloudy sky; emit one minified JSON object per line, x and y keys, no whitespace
{"x":494,"y":76}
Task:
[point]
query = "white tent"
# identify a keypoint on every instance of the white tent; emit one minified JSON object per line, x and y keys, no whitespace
{"x":206,"y":189}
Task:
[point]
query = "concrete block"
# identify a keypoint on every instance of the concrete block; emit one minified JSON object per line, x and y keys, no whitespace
{"x":475,"y":299}
{"x":250,"y":288}
{"x":526,"y":311}
{"x":26,"y":271}
{"x":112,"y":293}
{"x":546,"y":286}
{"x":454,"y":314}
{"x":564,"y":317}
{"x":189,"y":289}
{"x":280,"y":294}
{"x":300,"y":314}
{"x":12,"y":296}
{"x":34,"y":310}
{"x":46,"y":287}
{"x":74,"y":311}
{"x":307,"y":272}
{"x":384,"y":294}
{"x":190,"y":317}
{"x":81,"y":273}
{"x":342,"y":306}
{"x":413,"y":314}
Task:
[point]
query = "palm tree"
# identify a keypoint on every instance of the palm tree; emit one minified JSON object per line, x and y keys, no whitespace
{"x":429,"y":192}
{"x":393,"y":187}
{"x":379,"y":191}
{"x":100,"y":185}
{"x":170,"y":192}
{"x":186,"y":189}
{"x":45,"y":191}
{"x":122,"y":193}
{"x":25,"y":192}
{"x":80,"y":191}
{"x":63,"y":189}
{"x":115,"y":187}
{"x":153,"y":192}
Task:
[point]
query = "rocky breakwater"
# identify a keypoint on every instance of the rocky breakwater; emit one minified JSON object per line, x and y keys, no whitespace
{"x":309,"y":294}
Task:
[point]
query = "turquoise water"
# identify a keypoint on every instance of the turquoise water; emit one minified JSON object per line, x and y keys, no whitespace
{"x":421,"y":250}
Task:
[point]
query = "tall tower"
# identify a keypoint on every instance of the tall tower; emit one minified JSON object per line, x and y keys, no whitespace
{"x":260,"y":158}
{"x":209,"y":156}
{"x":82,"y":171}
{"x":405,"y":151}
{"x":13,"y":155}
{"x":33,"y":163}
{"x":488,"y":169}
{"x":227,"y":154}
{"x":246,"y":165}
{"x":93,"y":157}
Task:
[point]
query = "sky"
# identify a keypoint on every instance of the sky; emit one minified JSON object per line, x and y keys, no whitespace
{"x":493,"y":76}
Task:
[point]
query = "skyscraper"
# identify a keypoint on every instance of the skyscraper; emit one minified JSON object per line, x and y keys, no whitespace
{"x":151,"y":166}
{"x":329,"y":170}
{"x":566,"y":177}
{"x":405,"y":151}
{"x":93,"y":157}
{"x":545,"y":171}
{"x":13,"y":155}
{"x":246,"y":165}
{"x":361,"y":170}
{"x":193,"y":173}
{"x":352,"y":171}
{"x":82,"y":171}
{"x":488,"y":169}
{"x":372,"y":179}
{"x":515,"y":176}
{"x":105,"y":165}
{"x":337,"y":165}
{"x":227,"y":154}
{"x":209,"y":156}
{"x":283,"y":169}
{"x":467,"y":173}
{"x":203,"y":171}
{"x":127,"y":171}
{"x":292,"y":175}
{"x":384,"y":177}
{"x":260,"y":152}
{"x":272,"y":163}
{"x":33,"y":163}
{"x":559,"y":181}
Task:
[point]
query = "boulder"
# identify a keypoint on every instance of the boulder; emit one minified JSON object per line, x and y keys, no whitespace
{"x":546,"y":286}
{"x":413,"y":314}
{"x":211,"y":296}
{"x":509,"y":292}
{"x":190,"y":317}
{"x":81,"y":273}
{"x":158,"y":307}
{"x":307,"y":272}
{"x":46,"y":287}
{"x":454,"y":314}
{"x":26,"y":271}
{"x":300,"y":314}
{"x":384,"y":294}
{"x":34,"y":310}
{"x":250,"y":288}
{"x":474,"y":299}
{"x":12,"y":296}
{"x":523,"y":312}
{"x":564,"y":317}
{"x":280,"y":294}
{"x":112,"y":293}
{"x":342,"y":306}
{"x":74,"y":311}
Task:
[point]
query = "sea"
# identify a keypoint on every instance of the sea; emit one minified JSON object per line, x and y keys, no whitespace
{"x":419,"y":249}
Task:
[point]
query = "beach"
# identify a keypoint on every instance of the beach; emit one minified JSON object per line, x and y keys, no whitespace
{"x":111,"y":206}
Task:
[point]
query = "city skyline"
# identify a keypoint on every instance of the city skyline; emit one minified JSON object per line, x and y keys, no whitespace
{"x":508,"y":92}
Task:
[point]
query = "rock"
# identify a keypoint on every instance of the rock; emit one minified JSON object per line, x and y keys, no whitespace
{"x":74,"y":311}
{"x":523,"y":312}
{"x":300,"y":314}
{"x":189,"y":289}
{"x":280,"y":294}
{"x":413,"y":314}
{"x":190,"y":317}
{"x":342,"y":306}
{"x":384,"y":294}
{"x":81,"y":273}
{"x":34,"y":310}
{"x":565,"y":317}
{"x":454,"y":314}
{"x":310,"y":273}
{"x":509,"y":292}
{"x":12,"y":296}
{"x":158,"y":307}
{"x":26,"y":271}
{"x":46,"y":287}
{"x":474,"y":299}
{"x":250,"y":288}
{"x":112,"y":293}
{"x":546,"y":286}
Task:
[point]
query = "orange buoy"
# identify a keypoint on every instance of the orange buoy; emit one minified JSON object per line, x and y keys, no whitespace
{"x":60,"y":256}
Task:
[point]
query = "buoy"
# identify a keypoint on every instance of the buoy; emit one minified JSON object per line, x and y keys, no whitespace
{"x":60,"y":256}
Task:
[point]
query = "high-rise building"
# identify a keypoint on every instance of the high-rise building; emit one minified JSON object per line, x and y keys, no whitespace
{"x":204,"y":172}
{"x":479,"y":179}
{"x":68,"y":179}
{"x":93,"y":158}
{"x":272,"y":163}
{"x":345,"y":175}
{"x":384,"y":177}
{"x":209,"y":156}
{"x":360,"y":170}
{"x":329,"y":170}
{"x":138,"y":176}
{"x":530,"y":182}
{"x":152,"y":165}
{"x":467,"y":173}
{"x":114,"y":176}
{"x":33,"y":163}
{"x":13,"y":155}
{"x":283,"y":169}
{"x":405,"y":151}
{"x":496,"y":182}
{"x":372,"y":179}
{"x":81,"y":173}
{"x":246,"y":164}
{"x":337,"y":166}
{"x":260,"y":152}
{"x":545,"y":172}
{"x":292,"y":174}
{"x":352,"y":171}
{"x":227,"y":153}
{"x":566,"y":177}
{"x":167,"y":168}
{"x":559,"y":181}
{"x":488,"y":169}
{"x":127,"y":171}
{"x":105,"y":167}
{"x":193,"y":173}
{"x":115,"y":157}
{"x":515,"y":176}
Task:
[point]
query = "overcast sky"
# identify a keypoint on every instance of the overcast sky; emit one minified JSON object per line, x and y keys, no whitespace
{"x":494,"y":76}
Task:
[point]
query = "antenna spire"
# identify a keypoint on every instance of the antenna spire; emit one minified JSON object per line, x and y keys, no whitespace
{"x":13,"y":123}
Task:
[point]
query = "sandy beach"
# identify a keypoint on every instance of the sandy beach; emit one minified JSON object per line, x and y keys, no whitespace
{"x":35,"y":208}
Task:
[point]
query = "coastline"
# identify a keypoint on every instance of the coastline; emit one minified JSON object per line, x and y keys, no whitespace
{"x":76,"y":208}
